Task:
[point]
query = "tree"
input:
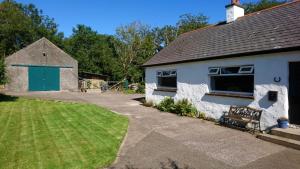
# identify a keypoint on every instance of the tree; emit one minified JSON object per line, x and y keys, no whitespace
{"x":134,"y":45}
{"x":94,"y":52}
{"x":13,"y":32}
{"x":169,"y":33}
{"x":261,"y":4}
{"x":2,"y":71}
{"x":164,"y":36}
{"x":189,"y":22}
{"x":21,"y":25}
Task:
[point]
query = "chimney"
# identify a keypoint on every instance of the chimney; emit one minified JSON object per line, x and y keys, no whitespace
{"x":234,"y":11}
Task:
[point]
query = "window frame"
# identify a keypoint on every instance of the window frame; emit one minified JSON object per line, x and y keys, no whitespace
{"x":172,"y":73}
{"x":239,"y":73}
{"x":246,"y":72}
{"x":213,"y":68}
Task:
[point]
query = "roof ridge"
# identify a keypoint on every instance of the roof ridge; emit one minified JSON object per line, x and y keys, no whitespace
{"x":271,"y":8}
{"x":203,"y":28}
{"x":253,"y":13}
{"x":251,"y":36}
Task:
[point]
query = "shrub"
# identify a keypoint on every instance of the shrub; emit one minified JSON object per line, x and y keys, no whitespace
{"x":141,"y":88}
{"x":167,"y":105}
{"x":182,"y":107}
{"x":89,"y":84}
{"x":185,"y":108}
{"x":129,"y":91}
{"x":201,"y":115}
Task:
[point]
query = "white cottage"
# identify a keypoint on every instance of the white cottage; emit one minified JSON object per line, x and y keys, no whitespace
{"x":251,"y":60}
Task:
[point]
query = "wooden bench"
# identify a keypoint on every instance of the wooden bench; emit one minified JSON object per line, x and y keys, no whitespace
{"x":240,"y":116}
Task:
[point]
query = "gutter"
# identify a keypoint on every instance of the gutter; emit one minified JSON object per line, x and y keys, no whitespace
{"x":289,"y":49}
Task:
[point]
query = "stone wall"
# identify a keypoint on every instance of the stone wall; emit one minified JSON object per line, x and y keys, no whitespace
{"x":41,"y":53}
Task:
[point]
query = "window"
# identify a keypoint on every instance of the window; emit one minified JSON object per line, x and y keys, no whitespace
{"x":232,"y":79}
{"x":246,"y":69}
{"x":167,"y":78}
{"x":214,"y":71}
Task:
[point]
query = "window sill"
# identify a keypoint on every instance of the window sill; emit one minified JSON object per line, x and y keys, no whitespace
{"x":166,"y":89}
{"x":235,"y":95}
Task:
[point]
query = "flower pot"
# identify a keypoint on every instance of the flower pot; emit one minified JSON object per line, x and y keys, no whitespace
{"x":283,"y":123}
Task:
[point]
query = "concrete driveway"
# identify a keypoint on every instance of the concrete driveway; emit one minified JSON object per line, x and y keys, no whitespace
{"x":154,"y":138}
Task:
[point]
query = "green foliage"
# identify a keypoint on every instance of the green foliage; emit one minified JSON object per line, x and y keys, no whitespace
{"x":141,"y":88}
{"x":182,"y":107}
{"x":129,"y":91}
{"x":251,"y":7}
{"x":89,"y":84}
{"x":189,"y":22}
{"x":20,"y":25}
{"x":134,"y":45}
{"x":167,"y":105}
{"x":185,"y":108}
{"x":2,"y":72}
{"x":201,"y":115}
{"x":120,"y":56}
{"x":95,"y":52}
{"x":164,"y":36}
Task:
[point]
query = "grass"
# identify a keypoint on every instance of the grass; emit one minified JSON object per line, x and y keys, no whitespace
{"x":129,"y":91}
{"x":53,"y":135}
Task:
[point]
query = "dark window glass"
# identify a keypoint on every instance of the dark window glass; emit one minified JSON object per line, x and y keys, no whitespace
{"x":246,"y":69}
{"x":167,"y":79}
{"x":230,"y":70}
{"x":166,"y":73}
{"x":214,"y":70}
{"x":233,"y":83}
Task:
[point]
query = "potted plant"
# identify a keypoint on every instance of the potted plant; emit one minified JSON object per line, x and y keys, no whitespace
{"x":283,"y":122}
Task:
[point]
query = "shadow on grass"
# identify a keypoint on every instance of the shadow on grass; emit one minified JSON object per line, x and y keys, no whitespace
{"x":6,"y":98}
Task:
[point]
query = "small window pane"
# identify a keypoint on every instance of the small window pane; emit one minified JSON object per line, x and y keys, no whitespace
{"x":230,"y":70}
{"x":246,"y":69}
{"x":173,"y":73}
{"x":166,"y":73}
{"x":214,"y":71}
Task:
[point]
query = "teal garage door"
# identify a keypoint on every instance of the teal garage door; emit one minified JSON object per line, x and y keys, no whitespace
{"x":43,"y":78}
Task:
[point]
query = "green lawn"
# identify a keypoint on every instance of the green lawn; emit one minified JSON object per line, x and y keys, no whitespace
{"x":50,"y":134}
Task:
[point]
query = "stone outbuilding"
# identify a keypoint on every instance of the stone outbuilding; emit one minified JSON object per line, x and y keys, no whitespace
{"x":41,"y":66}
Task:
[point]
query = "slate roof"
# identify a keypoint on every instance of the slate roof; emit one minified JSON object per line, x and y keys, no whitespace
{"x":271,"y":30}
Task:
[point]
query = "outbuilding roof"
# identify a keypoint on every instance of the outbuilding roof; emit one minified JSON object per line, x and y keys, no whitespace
{"x":271,"y":30}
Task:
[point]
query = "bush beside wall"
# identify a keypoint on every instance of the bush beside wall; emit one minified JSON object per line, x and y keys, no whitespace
{"x":182,"y":108}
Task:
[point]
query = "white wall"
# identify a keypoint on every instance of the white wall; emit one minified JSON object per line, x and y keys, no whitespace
{"x":193,"y":83}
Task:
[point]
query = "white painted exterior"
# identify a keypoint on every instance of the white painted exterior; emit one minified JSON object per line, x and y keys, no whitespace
{"x":233,"y":12}
{"x":193,"y":82}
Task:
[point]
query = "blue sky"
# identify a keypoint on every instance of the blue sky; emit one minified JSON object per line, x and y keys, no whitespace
{"x":105,"y":16}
